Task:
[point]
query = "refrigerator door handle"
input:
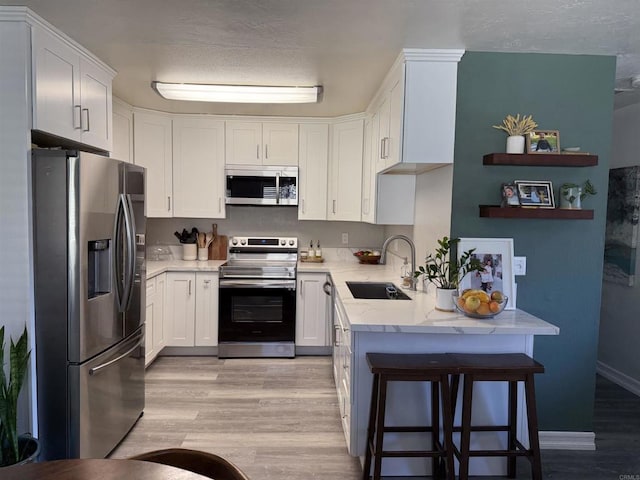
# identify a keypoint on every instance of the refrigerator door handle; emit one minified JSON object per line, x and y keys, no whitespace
{"x":131,"y":250}
{"x":117,"y":273}
{"x":97,"y":369}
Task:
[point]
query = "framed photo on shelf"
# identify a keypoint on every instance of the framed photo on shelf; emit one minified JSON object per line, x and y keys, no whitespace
{"x":510,"y":195}
{"x":538,"y":194}
{"x":496,"y":255}
{"x":543,"y":141}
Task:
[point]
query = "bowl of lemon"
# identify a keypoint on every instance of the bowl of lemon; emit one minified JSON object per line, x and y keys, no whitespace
{"x":479,"y":304}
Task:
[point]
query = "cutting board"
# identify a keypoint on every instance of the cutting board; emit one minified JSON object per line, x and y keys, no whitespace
{"x":218,"y":247}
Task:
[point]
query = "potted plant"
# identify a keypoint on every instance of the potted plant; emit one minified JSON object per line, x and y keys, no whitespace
{"x":572,"y":194}
{"x":445,"y":270}
{"x":14,"y":448}
{"x":516,"y":128}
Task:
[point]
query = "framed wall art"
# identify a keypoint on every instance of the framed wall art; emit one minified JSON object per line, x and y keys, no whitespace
{"x":623,"y":216}
{"x":496,"y":254}
{"x":534,"y":193}
{"x":543,"y":141}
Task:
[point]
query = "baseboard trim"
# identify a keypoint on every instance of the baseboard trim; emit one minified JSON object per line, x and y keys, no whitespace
{"x":567,"y":440}
{"x":619,"y":378}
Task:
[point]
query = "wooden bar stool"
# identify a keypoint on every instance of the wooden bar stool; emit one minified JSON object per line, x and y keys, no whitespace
{"x":507,"y":367}
{"x":389,"y":367}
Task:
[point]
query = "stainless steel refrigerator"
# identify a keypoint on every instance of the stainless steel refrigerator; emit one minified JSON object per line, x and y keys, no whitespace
{"x":89,"y":279}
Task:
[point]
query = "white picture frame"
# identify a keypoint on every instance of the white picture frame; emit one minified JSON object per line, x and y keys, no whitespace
{"x":500,"y":251}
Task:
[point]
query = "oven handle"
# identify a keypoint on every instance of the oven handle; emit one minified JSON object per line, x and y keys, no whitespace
{"x":254,"y":283}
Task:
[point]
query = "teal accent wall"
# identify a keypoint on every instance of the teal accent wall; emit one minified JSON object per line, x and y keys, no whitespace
{"x":572,"y":94}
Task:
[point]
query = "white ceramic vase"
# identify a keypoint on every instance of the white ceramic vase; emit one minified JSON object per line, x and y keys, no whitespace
{"x":571,"y":198}
{"x":189,"y":251}
{"x":515,"y":144}
{"x":444,"y":299}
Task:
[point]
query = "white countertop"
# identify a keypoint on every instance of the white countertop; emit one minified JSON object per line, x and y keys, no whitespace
{"x":160,"y":266}
{"x":417,"y":315}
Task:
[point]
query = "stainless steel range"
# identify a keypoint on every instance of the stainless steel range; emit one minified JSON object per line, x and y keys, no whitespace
{"x":257,"y":304}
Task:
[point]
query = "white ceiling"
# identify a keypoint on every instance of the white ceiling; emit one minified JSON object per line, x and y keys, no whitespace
{"x":344,"y":45}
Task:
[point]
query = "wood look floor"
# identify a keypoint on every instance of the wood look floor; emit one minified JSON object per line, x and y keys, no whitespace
{"x":278,"y":419}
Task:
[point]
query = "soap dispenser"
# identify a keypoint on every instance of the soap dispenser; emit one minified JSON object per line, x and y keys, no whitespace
{"x":405,"y":273}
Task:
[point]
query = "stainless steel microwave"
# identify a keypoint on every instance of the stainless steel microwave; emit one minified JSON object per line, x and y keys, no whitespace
{"x":261,"y":185}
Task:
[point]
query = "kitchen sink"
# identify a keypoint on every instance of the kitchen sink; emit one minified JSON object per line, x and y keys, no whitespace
{"x":376,"y":290}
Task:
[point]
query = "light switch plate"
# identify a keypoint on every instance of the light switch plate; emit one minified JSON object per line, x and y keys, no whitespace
{"x":519,"y":265}
{"x":345,"y":239}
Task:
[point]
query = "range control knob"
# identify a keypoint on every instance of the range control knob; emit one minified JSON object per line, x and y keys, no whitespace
{"x":234,"y":241}
{"x":283,"y":242}
{"x":291,"y":242}
{"x":243,"y":242}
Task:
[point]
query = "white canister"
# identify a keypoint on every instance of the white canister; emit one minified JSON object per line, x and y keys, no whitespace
{"x":203,"y":254}
{"x":189,"y":251}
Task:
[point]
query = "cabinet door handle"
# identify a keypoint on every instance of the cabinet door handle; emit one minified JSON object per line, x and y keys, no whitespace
{"x":335,"y":336}
{"x":301,"y":288}
{"x":219,"y":204}
{"x":302,"y":205}
{"x":77,"y":117}
{"x":86,"y":110}
{"x":258,"y":152}
{"x":207,"y":283}
{"x":334,"y":206}
{"x":168,"y":203}
{"x":266,"y":151}
{"x":189,"y":287}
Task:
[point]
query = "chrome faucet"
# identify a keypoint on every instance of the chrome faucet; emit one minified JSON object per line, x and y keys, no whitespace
{"x":383,"y":256}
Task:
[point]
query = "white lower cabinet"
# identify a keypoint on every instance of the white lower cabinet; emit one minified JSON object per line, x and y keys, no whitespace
{"x":312,"y":311}
{"x":192,"y":309}
{"x":342,"y":367}
{"x":154,"y":319}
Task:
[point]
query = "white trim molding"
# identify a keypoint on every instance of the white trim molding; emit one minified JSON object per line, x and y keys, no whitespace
{"x":567,"y":440}
{"x":619,"y":378}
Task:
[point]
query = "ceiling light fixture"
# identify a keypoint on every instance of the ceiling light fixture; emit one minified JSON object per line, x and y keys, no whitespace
{"x":236,"y":93}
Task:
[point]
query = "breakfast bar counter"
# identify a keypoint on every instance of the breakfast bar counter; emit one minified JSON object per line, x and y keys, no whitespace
{"x":415,"y":326}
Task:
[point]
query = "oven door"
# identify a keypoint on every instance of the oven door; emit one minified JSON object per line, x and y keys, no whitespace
{"x":257,"y":310}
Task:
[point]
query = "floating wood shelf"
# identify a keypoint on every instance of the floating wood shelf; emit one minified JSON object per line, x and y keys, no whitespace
{"x":495,"y":211}
{"x":540,"y":159}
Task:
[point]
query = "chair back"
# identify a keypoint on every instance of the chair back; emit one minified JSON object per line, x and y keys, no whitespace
{"x":202,"y":463}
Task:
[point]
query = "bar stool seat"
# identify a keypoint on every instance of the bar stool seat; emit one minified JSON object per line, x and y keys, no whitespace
{"x":433,"y":368}
{"x":511,"y":368}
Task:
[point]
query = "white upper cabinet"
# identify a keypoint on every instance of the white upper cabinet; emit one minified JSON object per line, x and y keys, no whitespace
{"x":122,"y":131}
{"x":345,"y":171}
{"x":255,"y":143}
{"x":312,"y":174}
{"x":152,"y":150}
{"x":72,"y":92}
{"x":198,"y":167}
{"x":418,"y":96}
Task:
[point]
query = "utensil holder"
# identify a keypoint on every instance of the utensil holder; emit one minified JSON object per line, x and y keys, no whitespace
{"x":189,"y":251}
{"x":203,"y":254}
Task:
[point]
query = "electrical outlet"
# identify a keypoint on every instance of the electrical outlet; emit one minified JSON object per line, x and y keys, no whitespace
{"x":519,"y":265}
{"x":345,"y":239}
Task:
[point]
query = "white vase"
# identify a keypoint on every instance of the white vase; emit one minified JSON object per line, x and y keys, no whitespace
{"x":571,"y":198}
{"x":515,"y":144}
{"x":444,"y":299}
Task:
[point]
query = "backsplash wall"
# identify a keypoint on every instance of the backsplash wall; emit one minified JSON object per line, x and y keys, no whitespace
{"x":270,"y":221}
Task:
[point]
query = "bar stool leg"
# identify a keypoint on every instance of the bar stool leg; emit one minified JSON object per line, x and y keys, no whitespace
{"x":377,"y":453}
{"x":371,"y":428}
{"x":512,"y":434}
{"x":447,"y":426}
{"x":435,"y":430}
{"x":465,"y":433}
{"x":532,"y":417}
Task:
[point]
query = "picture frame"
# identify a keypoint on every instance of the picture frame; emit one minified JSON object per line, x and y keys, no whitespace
{"x":535,"y":193}
{"x":500,"y":252}
{"x":510,"y":196}
{"x":543,"y":141}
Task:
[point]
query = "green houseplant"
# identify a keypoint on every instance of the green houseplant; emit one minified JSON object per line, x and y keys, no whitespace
{"x":13,"y":448}
{"x":572,"y":194}
{"x":445,"y":270}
